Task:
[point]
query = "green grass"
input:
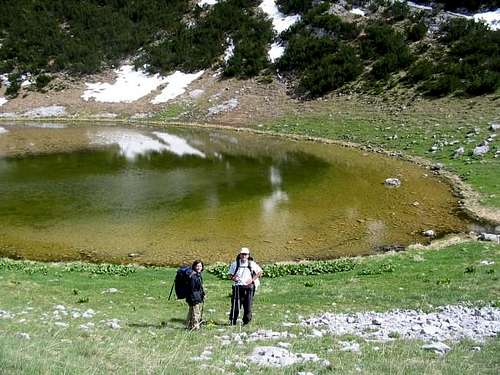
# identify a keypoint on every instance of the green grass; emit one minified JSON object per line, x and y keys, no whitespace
{"x":152,"y":339}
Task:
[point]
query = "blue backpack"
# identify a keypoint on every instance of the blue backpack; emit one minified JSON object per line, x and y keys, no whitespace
{"x":182,"y":282}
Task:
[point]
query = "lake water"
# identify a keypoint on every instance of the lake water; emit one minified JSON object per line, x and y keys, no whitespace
{"x":171,"y":195}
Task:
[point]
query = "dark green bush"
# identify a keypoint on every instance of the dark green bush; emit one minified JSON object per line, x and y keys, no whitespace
{"x":417,"y":31}
{"x":442,"y":85}
{"x":484,"y":82}
{"x":42,"y":80}
{"x":331,"y":72}
{"x":294,"y":6}
{"x":14,"y":85}
{"x":421,"y":71}
{"x":397,"y":11}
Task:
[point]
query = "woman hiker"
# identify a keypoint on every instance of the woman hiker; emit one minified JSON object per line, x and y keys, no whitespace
{"x":195,"y":296}
{"x":245,"y":274}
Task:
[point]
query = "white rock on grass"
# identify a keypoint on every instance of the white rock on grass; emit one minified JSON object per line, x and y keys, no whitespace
{"x":271,"y":356}
{"x":481,"y":150}
{"x":88,"y":314}
{"x":113,"y":323}
{"x":349,"y":346}
{"x":4,"y":314}
{"x":489,"y":237}
{"x":437,"y":347}
{"x":487,"y":262}
{"x":61,"y":324}
{"x":447,"y":323}
{"x":3,"y":130}
{"x":23,"y":335}
{"x":226,"y":106}
{"x":87,"y":326}
{"x":110,"y":290}
{"x":494,"y":126}
{"x":50,"y":111}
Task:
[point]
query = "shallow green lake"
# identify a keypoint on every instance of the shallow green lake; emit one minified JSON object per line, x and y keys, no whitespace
{"x":170,"y":195}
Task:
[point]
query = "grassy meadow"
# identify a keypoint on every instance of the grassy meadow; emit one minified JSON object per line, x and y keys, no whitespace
{"x":152,"y":338}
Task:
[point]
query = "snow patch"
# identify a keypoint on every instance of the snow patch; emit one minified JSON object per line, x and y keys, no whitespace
{"x":418,"y":6}
{"x":130,"y":85}
{"x":280,"y":21}
{"x":229,"y":52}
{"x":2,"y":100}
{"x":207,"y":2}
{"x":275,"y":52}
{"x":176,"y":85}
{"x":491,"y":18}
{"x":358,"y":12}
{"x":3,"y":130}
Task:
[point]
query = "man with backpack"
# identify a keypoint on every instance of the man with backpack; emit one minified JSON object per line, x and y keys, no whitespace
{"x":244,"y":273}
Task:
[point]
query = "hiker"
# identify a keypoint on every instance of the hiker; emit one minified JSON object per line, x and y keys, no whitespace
{"x":195,"y":296}
{"x":245,"y":274}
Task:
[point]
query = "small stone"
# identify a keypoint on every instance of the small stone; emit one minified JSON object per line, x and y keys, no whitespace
{"x":489,"y":237}
{"x":481,"y":150}
{"x":23,"y":335}
{"x":392,"y":182}
{"x":429,"y":233}
{"x":494,"y":126}
{"x":437,"y":347}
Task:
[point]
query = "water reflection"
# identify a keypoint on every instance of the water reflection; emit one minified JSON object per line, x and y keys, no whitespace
{"x":173,"y":195}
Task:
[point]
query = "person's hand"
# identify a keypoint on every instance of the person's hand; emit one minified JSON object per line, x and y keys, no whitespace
{"x":250,"y":282}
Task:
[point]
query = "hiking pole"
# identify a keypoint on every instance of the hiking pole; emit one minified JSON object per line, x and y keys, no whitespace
{"x":233,"y":310}
{"x":171,"y":290}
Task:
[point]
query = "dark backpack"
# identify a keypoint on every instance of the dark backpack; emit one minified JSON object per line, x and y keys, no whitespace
{"x":182,"y":283}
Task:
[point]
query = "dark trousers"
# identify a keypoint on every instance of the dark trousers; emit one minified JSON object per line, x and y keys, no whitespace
{"x":242,"y":296}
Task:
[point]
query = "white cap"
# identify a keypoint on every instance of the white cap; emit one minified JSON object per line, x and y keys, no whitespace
{"x":244,"y":250}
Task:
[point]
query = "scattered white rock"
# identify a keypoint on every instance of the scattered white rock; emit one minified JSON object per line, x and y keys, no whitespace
{"x":88,"y":314}
{"x":23,"y":335}
{"x":271,"y":356}
{"x":87,"y":326}
{"x":226,"y":106}
{"x":61,"y":324}
{"x":494,"y":126}
{"x":113,"y":323}
{"x":60,"y":307}
{"x":447,"y":323}
{"x":196,"y":93}
{"x":437,"y":347}
{"x":110,"y":290}
{"x":490,"y":237}
{"x":481,"y":150}
{"x":459,"y":152}
{"x":6,"y":314}
{"x":487,"y":262}
{"x":392,"y":182}
{"x":3,"y":130}
{"x":50,"y":111}
{"x":349,"y":346}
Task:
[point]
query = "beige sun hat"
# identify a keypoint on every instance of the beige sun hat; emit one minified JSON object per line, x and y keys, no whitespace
{"x":244,"y":250}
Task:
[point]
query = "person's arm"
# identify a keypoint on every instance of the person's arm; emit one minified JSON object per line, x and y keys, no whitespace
{"x":231,"y":274}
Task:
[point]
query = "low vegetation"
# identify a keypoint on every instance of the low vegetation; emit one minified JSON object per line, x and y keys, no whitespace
{"x":151,"y":337}
{"x":324,"y":52}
